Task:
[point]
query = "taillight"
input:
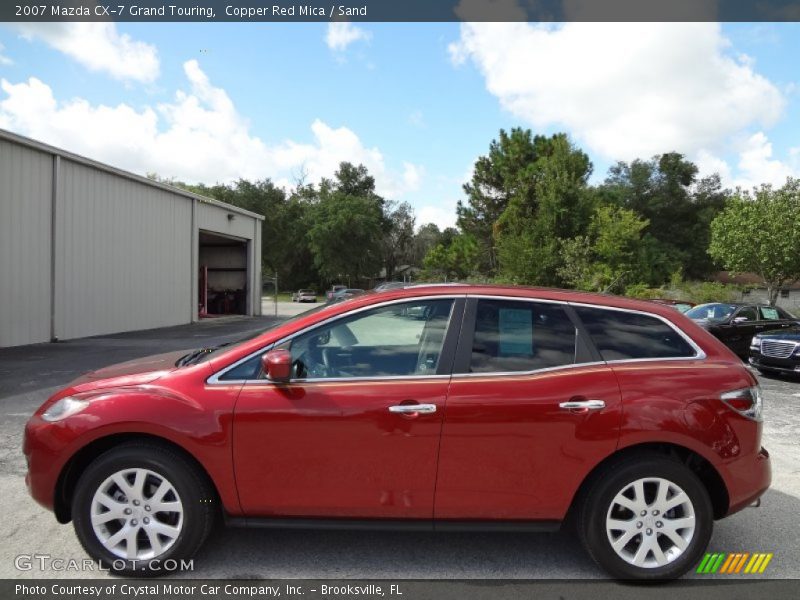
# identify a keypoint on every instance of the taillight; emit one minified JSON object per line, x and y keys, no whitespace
{"x":746,"y":401}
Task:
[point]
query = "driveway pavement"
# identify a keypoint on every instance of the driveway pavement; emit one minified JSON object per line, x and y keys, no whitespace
{"x":28,"y":375}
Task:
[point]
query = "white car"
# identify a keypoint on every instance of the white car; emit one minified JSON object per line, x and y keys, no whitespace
{"x":304,"y":296}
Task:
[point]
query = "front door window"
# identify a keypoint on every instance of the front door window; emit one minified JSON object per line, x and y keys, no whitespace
{"x":391,"y":341}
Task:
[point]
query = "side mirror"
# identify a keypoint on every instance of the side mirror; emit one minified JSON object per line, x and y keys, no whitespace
{"x":277,"y":365}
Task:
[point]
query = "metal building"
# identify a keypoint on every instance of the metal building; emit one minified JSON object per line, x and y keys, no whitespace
{"x":88,"y":249}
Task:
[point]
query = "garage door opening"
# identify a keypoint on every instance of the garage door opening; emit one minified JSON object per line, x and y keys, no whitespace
{"x":223,"y":275}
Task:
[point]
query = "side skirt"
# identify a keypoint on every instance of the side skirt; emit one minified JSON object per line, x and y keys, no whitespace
{"x":394,"y":524}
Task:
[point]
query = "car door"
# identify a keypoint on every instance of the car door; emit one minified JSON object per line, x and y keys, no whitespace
{"x":355,"y":433}
{"x":531,"y":409}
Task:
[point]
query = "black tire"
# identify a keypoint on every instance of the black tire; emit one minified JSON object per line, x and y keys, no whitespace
{"x":195,"y":492}
{"x":596,"y":504}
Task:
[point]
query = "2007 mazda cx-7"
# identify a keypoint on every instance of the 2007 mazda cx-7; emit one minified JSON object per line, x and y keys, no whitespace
{"x":438,"y":407}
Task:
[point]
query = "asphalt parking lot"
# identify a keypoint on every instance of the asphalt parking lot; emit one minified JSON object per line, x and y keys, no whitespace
{"x":28,"y":375}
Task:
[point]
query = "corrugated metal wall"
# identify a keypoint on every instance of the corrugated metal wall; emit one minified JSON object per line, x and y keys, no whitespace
{"x":124,"y":249}
{"x":26,"y":189}
{"x":123,"y":261}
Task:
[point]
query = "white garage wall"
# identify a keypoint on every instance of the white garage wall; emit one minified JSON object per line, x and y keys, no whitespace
{"x":26,"y":188}
{"x":123,"y":261}
{"x":88,"y":249}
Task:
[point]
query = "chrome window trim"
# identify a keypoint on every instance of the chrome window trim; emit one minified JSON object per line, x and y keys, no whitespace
{"x":529,"y":373}
{"x":215,"y":378}
{"x":699,"y":353}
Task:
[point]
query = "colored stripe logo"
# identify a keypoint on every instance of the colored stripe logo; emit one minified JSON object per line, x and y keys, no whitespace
{"x":734,"y":563}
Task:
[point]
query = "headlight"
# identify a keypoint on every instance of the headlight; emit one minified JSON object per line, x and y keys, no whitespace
{"x":755,"y":343}
{"x":66,"y":407}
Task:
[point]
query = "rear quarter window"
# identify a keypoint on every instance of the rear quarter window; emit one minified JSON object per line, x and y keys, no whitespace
{"x":620,"y":335}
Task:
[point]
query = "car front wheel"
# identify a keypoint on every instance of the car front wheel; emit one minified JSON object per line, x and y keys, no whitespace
{"x":138,"y":505}
{"x":648,"y":519}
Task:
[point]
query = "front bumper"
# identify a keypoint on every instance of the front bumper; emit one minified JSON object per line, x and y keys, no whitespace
{"x":42,"y":446}
{"x":784,"y":365}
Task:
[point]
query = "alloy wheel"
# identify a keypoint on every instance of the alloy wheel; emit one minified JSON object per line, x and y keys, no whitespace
{"x":650,"y":522}
{"x":137,"y":514}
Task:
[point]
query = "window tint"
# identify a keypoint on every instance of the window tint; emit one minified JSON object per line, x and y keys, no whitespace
{"x":249,"y":369}
{"x":711,"y":312}
{"x":395,"y":340}
{"x":521,"y":336}
{"x":747,"y":312}
{"x":622,"y":335}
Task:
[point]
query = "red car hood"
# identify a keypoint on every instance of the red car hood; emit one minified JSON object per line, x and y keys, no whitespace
{"x":133,"y":372}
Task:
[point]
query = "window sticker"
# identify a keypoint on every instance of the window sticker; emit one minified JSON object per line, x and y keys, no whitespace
{"x":516,"y":331}
{"x":770,"y":313}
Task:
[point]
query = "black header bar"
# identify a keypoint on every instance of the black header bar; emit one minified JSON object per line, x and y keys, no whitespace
{"x":277,"y":11}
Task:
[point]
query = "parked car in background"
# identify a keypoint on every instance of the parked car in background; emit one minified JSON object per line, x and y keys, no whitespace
{"x":679,"y":305}
{"x":735,"y":324}
{"x":334,"y":288}
{"x":390,"y":285}
{"x":558,"y":403}
{"x":304,"y":296}
{"x":344,"y":294}
{"x":776,"y":351}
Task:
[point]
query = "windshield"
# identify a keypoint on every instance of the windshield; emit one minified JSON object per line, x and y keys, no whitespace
{"x":711,"y":312}
{"x":203,"y":354}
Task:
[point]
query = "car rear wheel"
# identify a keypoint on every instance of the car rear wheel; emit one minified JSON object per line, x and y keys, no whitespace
{"x":648,"y":519}
{"x":139,"y":503}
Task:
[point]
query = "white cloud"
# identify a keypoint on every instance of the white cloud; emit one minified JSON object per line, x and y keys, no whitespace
{"x":341,"y":34}
{"x":198,"y":137}
{"x":755,"y":164}
{"x":624,"y":90}
{"x":442,"y":216}
{"x":4,"y":60}
{"x":334,"y":145}
{"x":98,"y":47}
{"x":412,"y":176}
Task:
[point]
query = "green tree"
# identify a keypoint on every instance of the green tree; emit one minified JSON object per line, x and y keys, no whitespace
{"x":496,"y":178}
{"x":550,"y":202}
{"x":679,"y":207}
{"x":610,"y":256}
{"x":398,"y":238}
{"x":426,"y":237}
{"x":456,"y":258}
{"x":347,"y":226}
{"x":760,"y":233}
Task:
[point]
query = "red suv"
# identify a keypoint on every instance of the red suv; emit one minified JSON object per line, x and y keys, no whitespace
{"x":437,"y":407}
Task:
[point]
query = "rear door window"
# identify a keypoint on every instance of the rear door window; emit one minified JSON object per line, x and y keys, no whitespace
{"x":515,"y":336}
{"x":748,"y":313}
{"x":622,"y":335}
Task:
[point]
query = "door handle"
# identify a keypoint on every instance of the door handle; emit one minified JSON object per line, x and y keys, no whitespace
{"x":405,"y":409}
{"x":583,"y":404}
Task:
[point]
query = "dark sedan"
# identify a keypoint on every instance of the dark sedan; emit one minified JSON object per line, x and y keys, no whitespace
{"x":776,"y":351}
{"x":735,"y":324}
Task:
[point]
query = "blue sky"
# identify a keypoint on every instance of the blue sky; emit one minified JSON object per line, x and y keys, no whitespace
{"x":417,"y":103}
